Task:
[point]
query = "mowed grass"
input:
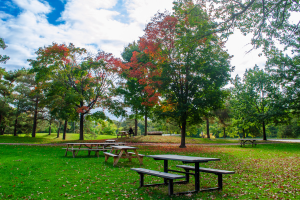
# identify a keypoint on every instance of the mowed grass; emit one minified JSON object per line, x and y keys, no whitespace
{"x":268,"y":171}
{"x":176,"y":139}
{"x":44,"y":138}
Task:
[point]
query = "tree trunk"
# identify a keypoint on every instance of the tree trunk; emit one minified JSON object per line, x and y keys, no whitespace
{"x":65,"y":129}
{"x":15,"y":129}
{"x":183,"y":129}
{"x":264,"y":131}
{"x":135,"y":127}
{"x":243,"y":133}
{"x":81,"y":127}
{"x":224,"y":132}
{"x":35,"y":117}
{"x":207,"y":128}
{"x":58,"y":131}
{"x":50,"y":128}
{"x":146,"y":122}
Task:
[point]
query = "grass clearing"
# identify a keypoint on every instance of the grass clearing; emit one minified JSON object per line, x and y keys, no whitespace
{"x":269,"y":171}
{"x":176,"y":139}
{"x":45,"y":138}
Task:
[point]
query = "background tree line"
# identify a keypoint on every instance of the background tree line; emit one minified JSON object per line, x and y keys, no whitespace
{"x":175,"y":75}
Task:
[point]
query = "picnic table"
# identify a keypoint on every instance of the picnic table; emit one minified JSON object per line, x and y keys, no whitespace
{"x":118,"y":152}
{"x":252,"y":141}
{"x":110,"y":141}
{"x":123,"y":133}
{"x":89,"y":147}
{"x":168,"y":177}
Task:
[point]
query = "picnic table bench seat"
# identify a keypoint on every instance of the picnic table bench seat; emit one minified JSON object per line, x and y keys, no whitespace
{"x":170,"y":177}
{"x":217,"y":172}
{"x":155,"y":133}
{"x":74,"y":150}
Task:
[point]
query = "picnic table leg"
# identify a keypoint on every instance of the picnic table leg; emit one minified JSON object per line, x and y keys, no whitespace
{"x":74,"y":153}
{"x":137,"y":155}
{"x":67,"y":150}
{"x":166,"y":170}
{"x":197,"y":177}
{"x":141,"y":180}
{"x":116,"y":160}
{"x":128,"y":155}
{"x":170,"y":187}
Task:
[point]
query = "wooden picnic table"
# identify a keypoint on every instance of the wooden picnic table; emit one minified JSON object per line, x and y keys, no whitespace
{"x":123,"y":133}
{"x":184,"y":159}
{"x":96,"y":147}
{"x":118,"y":152}
{"x":252,"y":141}
{"x":110,"y":141}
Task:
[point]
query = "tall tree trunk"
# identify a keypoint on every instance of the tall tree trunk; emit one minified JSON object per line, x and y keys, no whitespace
{"x":207,"y":128}
{"x":146,"y":122}
{"x":135,"y":127}
{"x":81,"y":127}
{"x":50,"y":128}
{"x":264,"y":131}
{"x":35,"y":117}
{"x":15,"y":129}
{"x":224,"y":134}
{"x":183,"y":129}
{"x":65,"y":129}
{"x":58,"y":131}
{"x":243,"y":133}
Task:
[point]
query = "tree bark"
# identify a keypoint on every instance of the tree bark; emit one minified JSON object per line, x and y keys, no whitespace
{"x":35,"y":117}
{"x":207,"y":128}
{"x":146,"y":122}
{"x":65,"y":129}
{"x":264,"y":131}
{"x":1,"y":129}
{"x":183,"y":129}
{"x":224,"y":132}
{"x":58,"y":131}
{"x":135,"y":127}
{"x":15,"y":128}
{"x":81,"y":127}
{"x":243,"y":133}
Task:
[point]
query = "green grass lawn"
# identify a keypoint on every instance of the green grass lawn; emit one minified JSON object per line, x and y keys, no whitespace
{"x":269,"y":171}
{"x":44,"y":138}
{"x":176,"y":139}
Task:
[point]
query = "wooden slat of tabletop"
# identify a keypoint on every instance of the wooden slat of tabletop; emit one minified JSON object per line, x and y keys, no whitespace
{"x":183,"y":158}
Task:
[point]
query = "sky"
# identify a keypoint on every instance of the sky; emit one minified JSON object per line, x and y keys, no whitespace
{"x":108,"y":25}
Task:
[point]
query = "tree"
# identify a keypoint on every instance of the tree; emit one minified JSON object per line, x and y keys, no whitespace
{"x":267,"y":20}
{"x":3,"y":58}
{"x":140,"y":89}
{"x":285,"y":68}
{"x":193,"y":65}
{"x":258,"y":99}
{"x":88,"y":79}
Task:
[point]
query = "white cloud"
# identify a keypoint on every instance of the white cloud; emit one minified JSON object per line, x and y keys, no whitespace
{"x":238,"y":45}
{"x":33,"y":6}
{"x":92,"y":24}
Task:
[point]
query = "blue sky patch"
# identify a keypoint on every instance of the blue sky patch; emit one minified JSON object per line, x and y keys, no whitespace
{"x":58,"y":7}
{"x":123,"y":17}
{"x":7,"y":6}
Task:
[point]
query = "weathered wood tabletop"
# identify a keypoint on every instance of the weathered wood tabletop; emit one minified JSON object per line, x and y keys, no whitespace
{"x":118,"y":152}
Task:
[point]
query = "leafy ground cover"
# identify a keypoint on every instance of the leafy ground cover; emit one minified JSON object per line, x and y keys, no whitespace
{"x":269,"y":171}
